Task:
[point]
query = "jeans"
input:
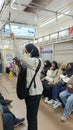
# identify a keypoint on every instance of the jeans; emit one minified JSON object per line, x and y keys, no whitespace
{"x":6,"y":110}
{"x":67,"y":99}
{"x":8,"y":122}
{"x":3,"y":102}
{"x":32,"y":104}
{"x":8,"y":119}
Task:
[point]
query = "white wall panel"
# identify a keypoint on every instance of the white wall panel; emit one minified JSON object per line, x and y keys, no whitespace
{"x":63,"y":52}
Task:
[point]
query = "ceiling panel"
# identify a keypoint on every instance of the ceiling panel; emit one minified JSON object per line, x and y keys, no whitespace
{"x":39,"y":12}
{"x":24,"y":19}
{"x":26,"y":2}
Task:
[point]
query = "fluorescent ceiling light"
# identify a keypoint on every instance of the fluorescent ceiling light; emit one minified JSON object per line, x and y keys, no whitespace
{"x":47,"y":22}
{"x":53,"y":19}
{"x":1,"y":4}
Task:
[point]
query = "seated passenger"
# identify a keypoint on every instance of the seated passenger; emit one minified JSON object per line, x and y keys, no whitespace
{"x":7,"y":70}
{"x":67,"y":99}
{"x":50,"y":75}
{"x":48,"y":91}
{"x":60,"y":86}
{"x":8,"y":114}
{"x":52,"y":72}
{"x":9,"y":119}
{"x":46,"y":67}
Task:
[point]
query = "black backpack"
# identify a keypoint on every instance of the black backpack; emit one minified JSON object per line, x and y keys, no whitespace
{"x":21,"y":83}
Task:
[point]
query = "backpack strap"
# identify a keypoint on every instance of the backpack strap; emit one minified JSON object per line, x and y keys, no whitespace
{"x":37,"y":69}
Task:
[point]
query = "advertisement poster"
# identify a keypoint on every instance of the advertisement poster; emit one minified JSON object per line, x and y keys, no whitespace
{"x":8,"y":55}
{"x":46,"y":53}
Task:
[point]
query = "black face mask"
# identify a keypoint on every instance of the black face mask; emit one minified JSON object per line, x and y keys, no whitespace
{"x":63,"y":69}
{"x":45,"y":65}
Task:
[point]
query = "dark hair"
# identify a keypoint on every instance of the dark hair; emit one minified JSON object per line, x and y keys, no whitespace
{"x":34,"y":52}
{"x":17,"y":60}
{"x":48,"y":63}
{"x":69,"y":71}
{"x":56,"y":64}
{"x":71,"y":64}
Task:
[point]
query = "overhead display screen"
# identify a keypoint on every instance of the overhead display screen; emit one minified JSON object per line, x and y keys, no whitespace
{"x":20,"y":31}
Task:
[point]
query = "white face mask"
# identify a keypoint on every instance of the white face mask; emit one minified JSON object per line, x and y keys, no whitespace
{"x":27,"y":54}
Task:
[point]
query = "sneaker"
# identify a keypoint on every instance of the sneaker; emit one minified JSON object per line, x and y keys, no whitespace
{"x":58,"y":105}
{"x":55,"y":103}
{"x":64,"y":118}
{"x":46,"y":99}
{"x":19,"y":121}
{"x":51,"y":101}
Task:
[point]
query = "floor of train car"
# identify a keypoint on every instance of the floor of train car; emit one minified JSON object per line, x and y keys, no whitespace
{"x":48,"y":118}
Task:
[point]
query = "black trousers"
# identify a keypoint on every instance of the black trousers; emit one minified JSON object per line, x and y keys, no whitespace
{"x":47,"y":89}
{"x":32,"y":105}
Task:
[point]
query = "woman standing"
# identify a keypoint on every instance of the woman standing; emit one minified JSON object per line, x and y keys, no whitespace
{"x":30,"y":58}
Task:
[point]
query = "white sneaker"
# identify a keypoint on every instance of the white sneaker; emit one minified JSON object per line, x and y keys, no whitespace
{"x":51,"y":101}
{"x":64,"y":118}
{"x":57,"y":105}
{"x":46,"y":99}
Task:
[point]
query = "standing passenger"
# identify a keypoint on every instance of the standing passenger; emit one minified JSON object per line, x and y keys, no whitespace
{"x":30,"y":59}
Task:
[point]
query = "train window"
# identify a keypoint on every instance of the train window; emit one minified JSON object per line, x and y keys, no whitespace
{"x":63,"y":34}
{"x":54,"y":36}
{"x":46,"y":38}
{"x":40,"y":40}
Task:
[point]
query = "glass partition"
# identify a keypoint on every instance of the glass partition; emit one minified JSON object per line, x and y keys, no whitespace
{"x":54,"y":36}
{"x":40,"y":40}
{"x":46,"y":38}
